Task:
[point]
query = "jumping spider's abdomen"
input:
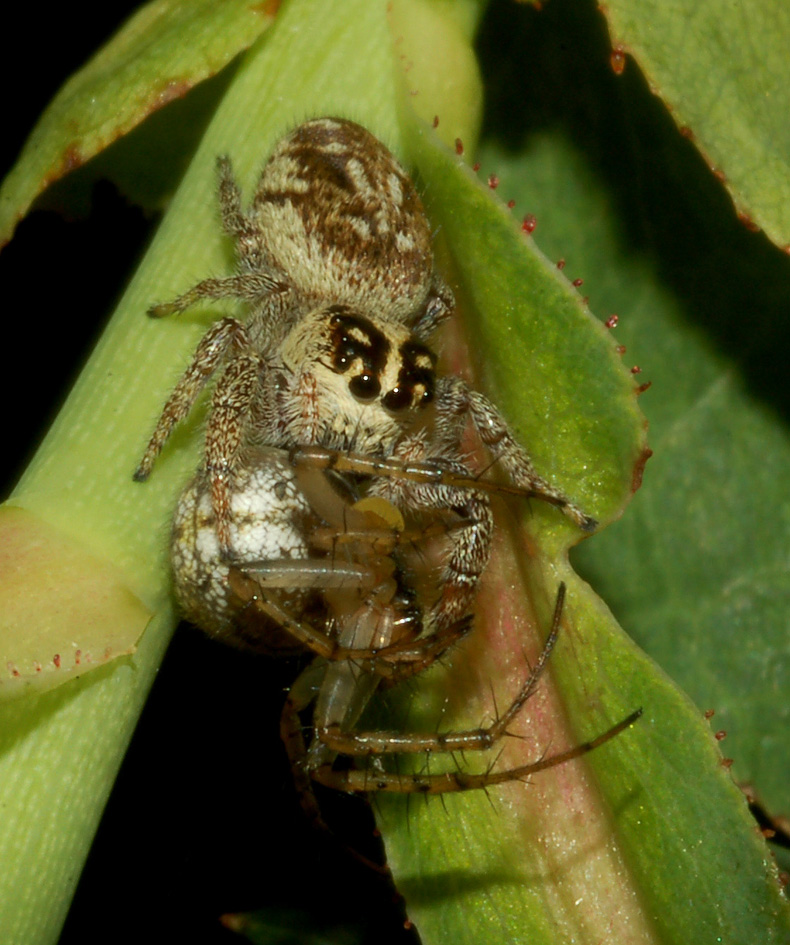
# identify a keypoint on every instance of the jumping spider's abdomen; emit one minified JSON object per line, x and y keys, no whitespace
{"x":341,"y":217}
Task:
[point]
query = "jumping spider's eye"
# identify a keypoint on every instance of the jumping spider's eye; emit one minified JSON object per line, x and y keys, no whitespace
{"x":365,"y":386}
{"x":348,"y":350}
{"x":356,"y":341}
{"x":416,"y":379}
{"x":397,"y":398}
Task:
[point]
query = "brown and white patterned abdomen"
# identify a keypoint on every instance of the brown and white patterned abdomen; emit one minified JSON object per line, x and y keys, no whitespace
{"x":344,"y":220}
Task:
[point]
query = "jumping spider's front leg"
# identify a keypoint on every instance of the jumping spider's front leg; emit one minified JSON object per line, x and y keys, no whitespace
{"x":232,"y":400}
{"x":455,"y":403}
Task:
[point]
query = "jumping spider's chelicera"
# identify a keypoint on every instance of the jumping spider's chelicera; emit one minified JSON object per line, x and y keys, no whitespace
{"x":327,"y":396}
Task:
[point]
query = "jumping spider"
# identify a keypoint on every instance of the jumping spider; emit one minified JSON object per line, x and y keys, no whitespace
{"x":328,"y":395}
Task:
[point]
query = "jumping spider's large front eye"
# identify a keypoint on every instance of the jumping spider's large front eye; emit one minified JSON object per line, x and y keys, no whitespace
{"x":397,"y":399}
{"x":365,"y":386}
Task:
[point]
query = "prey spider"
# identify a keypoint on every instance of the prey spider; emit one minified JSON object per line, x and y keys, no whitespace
{"x":346,"y":579}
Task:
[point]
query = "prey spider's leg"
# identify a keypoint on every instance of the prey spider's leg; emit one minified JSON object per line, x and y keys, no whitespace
{"x":362,"y":781}
{"x":401,"y":660}
{"x":299,"y":697}
{"x":219,"y":339}
{"x":246,"y":589}
{"x":392,"y":661}
{"x":431,"y":471}
{"x":480,"y":739}
{"x":386,"y":616}
{"x":458,"y":398}
{"x":311,"y":573}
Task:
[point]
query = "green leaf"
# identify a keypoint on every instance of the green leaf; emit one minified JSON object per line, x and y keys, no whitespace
{"x":723,"y":71}
{"x":695,"y":569}
{"x":164,"y":50}
{"x":701,"y":561}
{"x":42,"y":647}
{"x":570,"y":855}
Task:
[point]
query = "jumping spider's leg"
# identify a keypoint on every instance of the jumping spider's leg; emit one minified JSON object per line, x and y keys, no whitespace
{"x":234,"y":221}
{"x":248,"y":285}
{"x":454,"y":397}
{"x":470,"y":550}
{"x":363,"y":782}
{"x":470,"y":539}
{"x":214,"y":346}
{"x":439,"y":308}
{"x":480,"y":739}
{"x":231,"y":406}
{"x":231,"y":287}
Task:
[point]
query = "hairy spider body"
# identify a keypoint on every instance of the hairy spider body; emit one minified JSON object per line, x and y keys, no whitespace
{"x":270,"y":519}
{"x":335,"y":212}
{"x":336,"y":267}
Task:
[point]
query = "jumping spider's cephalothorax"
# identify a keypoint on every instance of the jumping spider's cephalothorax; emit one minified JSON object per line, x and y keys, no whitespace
{"x":327,"y":400}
